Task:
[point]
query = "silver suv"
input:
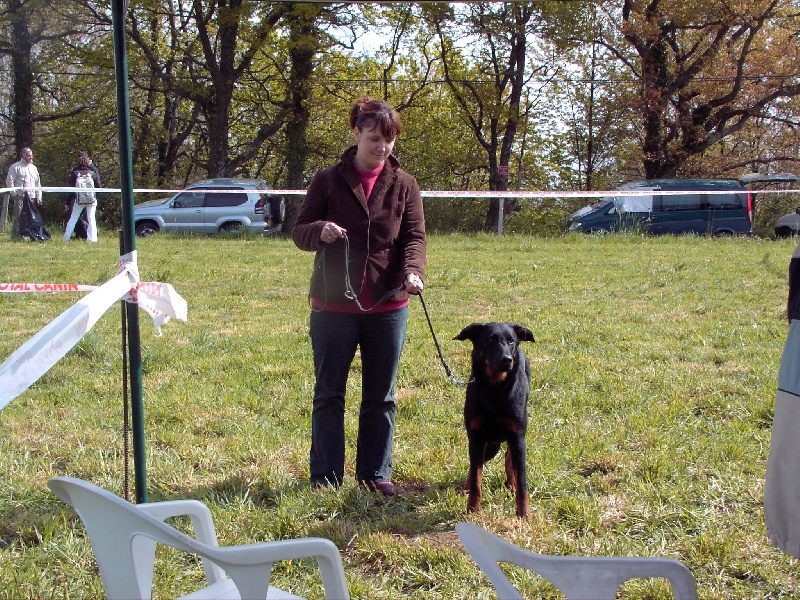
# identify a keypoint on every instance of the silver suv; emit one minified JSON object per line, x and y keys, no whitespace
{"x":214,"y":206}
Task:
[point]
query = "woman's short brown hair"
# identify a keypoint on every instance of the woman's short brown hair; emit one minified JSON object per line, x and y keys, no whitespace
{"x":369,"y":113}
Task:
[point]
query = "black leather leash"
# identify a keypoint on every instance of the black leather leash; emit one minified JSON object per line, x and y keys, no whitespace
{"x":351,"y":294}
{"x":447,"y":369}
{"x":349,"y":290}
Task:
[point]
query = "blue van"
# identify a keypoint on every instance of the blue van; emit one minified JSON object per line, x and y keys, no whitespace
{"x":687,"y":207}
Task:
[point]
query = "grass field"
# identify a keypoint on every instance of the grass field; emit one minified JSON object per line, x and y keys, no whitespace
{"x":654,"y":374}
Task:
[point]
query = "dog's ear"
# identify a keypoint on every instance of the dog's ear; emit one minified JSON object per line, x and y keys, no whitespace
{"x":523,"y":333}
{"x":470,"y":332}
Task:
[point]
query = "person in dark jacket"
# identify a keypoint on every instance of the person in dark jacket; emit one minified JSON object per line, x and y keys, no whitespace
{"x":83,"y":209}
{"x":363,"y":217}
{"x":793,"y":304}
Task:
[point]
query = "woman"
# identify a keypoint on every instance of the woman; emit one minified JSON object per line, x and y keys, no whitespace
{"x":363,"y":216}
{"x":83,"y":172}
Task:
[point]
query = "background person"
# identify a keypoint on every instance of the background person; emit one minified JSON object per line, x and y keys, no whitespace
{"x":83,"y":169}
{"x":368,"y":197}
{"x":23,"y":173}
{"x":82,"y":224}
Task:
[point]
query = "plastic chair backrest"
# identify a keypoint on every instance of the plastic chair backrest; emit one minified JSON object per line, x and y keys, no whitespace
{"x":595,"y":577}
{"x":123,"y":537}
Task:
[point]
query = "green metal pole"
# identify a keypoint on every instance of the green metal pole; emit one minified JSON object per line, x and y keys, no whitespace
{"x":118,"y":9}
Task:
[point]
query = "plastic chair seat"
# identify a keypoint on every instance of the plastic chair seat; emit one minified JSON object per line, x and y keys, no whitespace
{"x":124,"y":538}
{"x":226,"y":590}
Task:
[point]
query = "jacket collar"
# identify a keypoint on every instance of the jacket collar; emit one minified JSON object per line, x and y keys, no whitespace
{"x":385,"y":179}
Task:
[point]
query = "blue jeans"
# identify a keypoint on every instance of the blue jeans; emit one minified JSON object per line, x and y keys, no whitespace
{"x":334,"y":339}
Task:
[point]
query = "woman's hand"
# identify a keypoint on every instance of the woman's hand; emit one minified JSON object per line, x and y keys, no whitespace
{"x":414,"y":284}
{"x":331,"y":232}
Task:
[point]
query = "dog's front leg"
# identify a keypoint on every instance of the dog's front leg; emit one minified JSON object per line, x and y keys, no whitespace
{"x":475,"y":477}
{"x":511,"y":474}
{"x":517,"y":477}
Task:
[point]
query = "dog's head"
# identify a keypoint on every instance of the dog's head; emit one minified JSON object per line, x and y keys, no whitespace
{"x":495,"y":347}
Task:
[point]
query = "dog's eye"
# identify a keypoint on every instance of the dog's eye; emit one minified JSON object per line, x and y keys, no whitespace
{"x":511,"y":341}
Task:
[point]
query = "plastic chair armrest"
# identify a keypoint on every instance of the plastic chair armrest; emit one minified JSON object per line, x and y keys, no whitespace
{"x":202,"y":524}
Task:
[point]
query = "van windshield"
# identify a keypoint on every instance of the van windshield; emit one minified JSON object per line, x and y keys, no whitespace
{"x":600,"y":202}
{"x":589,"y":208}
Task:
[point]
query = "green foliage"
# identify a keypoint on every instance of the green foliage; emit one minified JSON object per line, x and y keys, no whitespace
{"x":581,"y":108}
{"x":450,"y":215}
{"x":653,"y":376}
{"x":769,"y":208}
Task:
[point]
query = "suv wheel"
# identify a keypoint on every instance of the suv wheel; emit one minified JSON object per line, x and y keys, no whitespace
{"x":277,"y":207}
{"x":232,"y":227}
{"x":145,"y":228}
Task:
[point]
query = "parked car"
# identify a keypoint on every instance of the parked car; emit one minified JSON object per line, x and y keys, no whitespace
{"x":787,"y":225}
{"x":674,"y":213}
{"x":214,"y":206}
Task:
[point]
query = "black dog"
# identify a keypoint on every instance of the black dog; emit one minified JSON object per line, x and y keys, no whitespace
{"x":496,"y":407}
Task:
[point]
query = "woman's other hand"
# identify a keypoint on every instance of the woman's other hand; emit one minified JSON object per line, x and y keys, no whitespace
{"x":331,"y":232}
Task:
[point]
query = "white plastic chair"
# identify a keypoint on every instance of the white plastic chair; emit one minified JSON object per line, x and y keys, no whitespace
{"x":124,"y":537}
{"x":577,"y":577}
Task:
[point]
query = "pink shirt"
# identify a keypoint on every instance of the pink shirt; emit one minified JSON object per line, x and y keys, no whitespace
{"x":368,"y":179}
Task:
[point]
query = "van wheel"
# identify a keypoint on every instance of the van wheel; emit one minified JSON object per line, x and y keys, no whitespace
{"x":598,"y":232}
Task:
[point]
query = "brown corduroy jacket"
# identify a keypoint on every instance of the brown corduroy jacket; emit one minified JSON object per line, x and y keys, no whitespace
{"x":386,"y":236}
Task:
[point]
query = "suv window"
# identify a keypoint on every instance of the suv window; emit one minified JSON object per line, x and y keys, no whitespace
{"x":188,"y":200}
{"x":223,"y":198}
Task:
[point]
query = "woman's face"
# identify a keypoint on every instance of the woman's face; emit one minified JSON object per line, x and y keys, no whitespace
{"x":373,"y":148}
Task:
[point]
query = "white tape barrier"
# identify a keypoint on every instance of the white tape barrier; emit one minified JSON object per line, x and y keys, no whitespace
{"x":443,"y":193}
{"x":36,"y":356}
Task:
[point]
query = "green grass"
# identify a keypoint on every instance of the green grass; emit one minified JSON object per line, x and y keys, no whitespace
{"x":654,"y":374}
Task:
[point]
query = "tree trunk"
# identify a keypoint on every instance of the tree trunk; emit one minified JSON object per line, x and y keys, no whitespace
{"x":218,"y":108}
{"x":304,"y":36}
{"x":21,"y":51}
{"x":497,"y":182}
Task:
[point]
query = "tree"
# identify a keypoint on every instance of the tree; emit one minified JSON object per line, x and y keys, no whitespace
{"x":20,"y":47}
{"x":487,"y":84}
{"x":214,"y":47}
{"x":591,"y":95}
{"x":706,"y":70}
{"x":29,"y":26}
{"x":484,"y":51}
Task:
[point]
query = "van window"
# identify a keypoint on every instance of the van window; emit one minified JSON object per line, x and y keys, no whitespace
{"x":684,"y":202}
{"x":725,"y":201}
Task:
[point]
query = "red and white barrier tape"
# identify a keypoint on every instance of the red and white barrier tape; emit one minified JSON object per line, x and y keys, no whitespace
{"x":36,"y":356}
{"x":447,"y":194}
{"x":45,"y":287}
